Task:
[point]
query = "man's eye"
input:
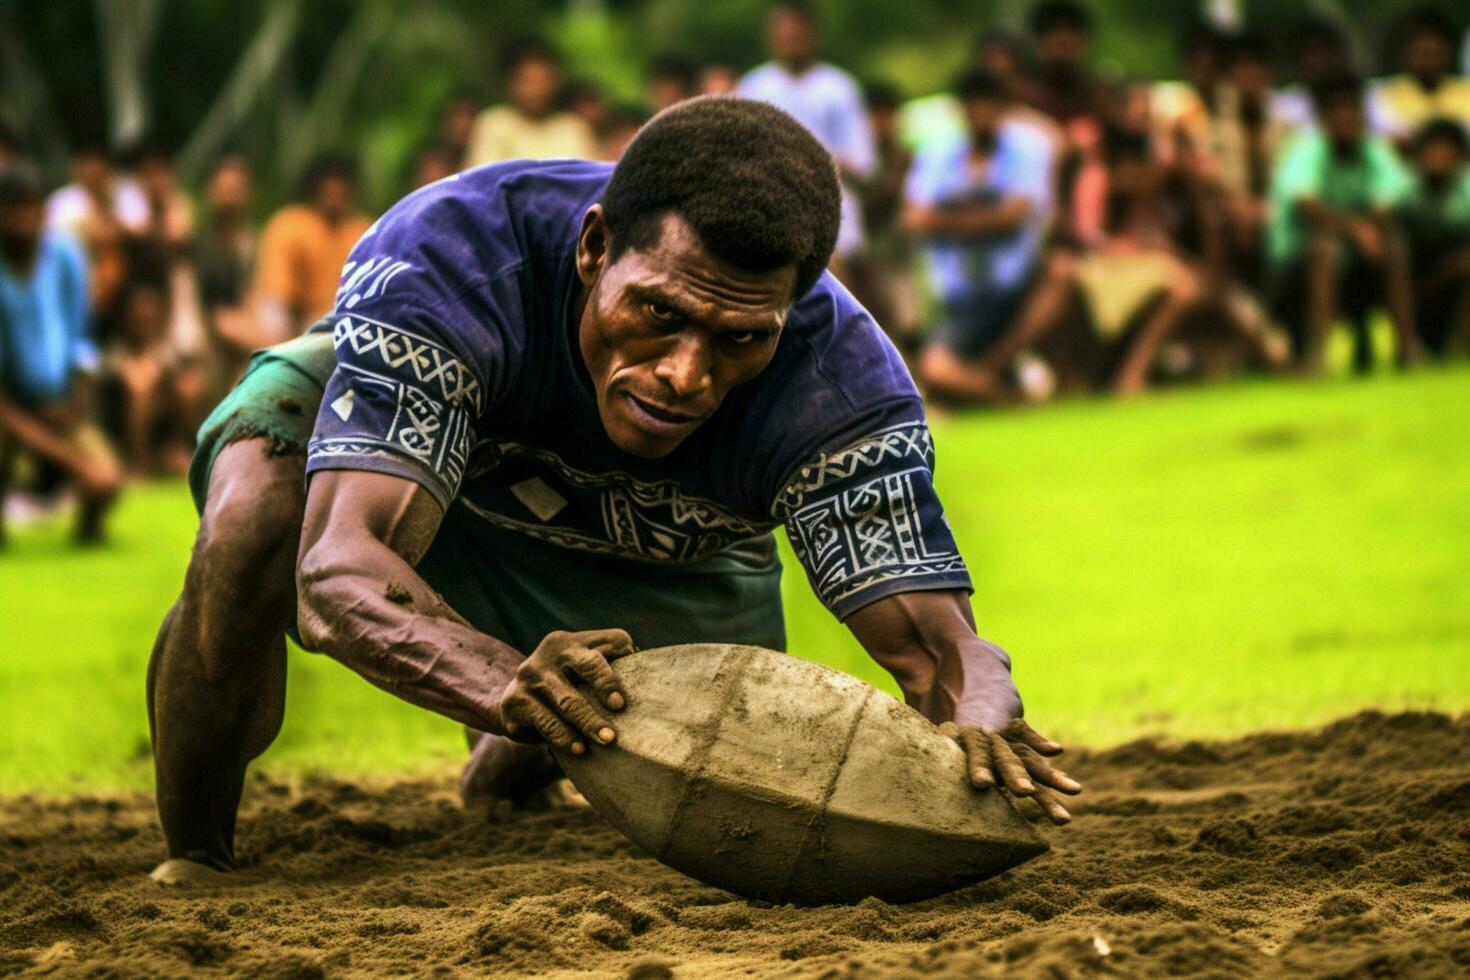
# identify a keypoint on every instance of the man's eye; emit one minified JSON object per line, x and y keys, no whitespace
{"x":660,"y":311}
{"x":741,"y":339}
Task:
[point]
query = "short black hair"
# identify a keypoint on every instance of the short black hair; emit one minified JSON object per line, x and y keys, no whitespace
{"x":671,"y":64}
{"x":1251,"y":47}
{"x":1343,"y":87}
{"x":1200,"y":34}
{"x":522,"y":50}
{"x":1443,"y":129}
{"x":757,"y":188}
{"x":801,"y":8}
{"x":20,"y":183}
{"x":1052,"y":15}
{"x":328,"y":166}
{"x":882,"y":95}
{"x":1427,"y":20}
{"x":976,"y":84}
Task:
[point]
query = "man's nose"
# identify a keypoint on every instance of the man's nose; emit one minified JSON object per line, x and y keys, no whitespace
{"x":686,"y":368}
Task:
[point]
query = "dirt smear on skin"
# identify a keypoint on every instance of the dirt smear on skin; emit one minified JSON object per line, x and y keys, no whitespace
{"x":1343,"y":851}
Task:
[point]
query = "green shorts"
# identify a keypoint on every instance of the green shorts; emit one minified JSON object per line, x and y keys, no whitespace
{"x":516,"y":589}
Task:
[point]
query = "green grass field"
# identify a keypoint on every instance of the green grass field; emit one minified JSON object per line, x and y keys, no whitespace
{"x":1196,"y":563}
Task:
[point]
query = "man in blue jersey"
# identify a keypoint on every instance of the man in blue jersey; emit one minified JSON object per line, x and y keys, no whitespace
{"x":568,"y":404}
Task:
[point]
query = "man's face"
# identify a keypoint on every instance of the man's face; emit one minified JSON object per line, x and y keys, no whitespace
{"x":534,"y":86}
{"x":1319,"y":59}
{"x":1062,"y":50}
{"x":459,"y":119}
{"x":668,"y":331}
{"x":1439,"y":161}
{"x":92,"y":172}
{"x":229,"y":189}
{"x":1427,"y":55}
{"x":333,"y":197}
{"x":983,"y":116}
{"x":884,"y":120}
{"x":1342,"y":119}
{"x":791,"y":36}
{"x":20,"y":228}
{"x":156,"y":175}
{"x":1251,"y":78}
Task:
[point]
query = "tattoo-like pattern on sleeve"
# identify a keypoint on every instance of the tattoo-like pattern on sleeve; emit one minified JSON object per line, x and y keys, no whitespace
{"x":435,"y":399}
{"x":865,"y":519}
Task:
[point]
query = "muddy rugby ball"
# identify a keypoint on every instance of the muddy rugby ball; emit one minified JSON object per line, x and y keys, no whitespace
{"x":779,"y":779}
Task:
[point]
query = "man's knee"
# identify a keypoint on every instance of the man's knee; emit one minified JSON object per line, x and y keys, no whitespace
{"x":251,"y":524}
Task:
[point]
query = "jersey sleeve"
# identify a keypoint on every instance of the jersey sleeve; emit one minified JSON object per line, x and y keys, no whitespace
{"x":417,"y":349}
{"x":864,"y":519}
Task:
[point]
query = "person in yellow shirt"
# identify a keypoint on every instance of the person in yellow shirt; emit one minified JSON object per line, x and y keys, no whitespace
{"x":304,"y":246}
{"x":1428,"y":88}
{"x":531,"y":125}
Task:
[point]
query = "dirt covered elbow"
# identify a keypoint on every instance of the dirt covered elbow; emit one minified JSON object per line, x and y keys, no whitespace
{"x":314,"y":581}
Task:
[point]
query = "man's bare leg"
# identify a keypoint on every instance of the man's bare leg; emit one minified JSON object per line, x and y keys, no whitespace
{"x":1182,"y":296}
{"x":217,"y":678}
{"x":1321,"y":298}
{"x":1398,"y":297}
{"x":950,"y":377}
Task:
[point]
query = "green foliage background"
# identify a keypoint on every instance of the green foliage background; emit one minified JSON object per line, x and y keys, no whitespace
{"x":425,"y":49}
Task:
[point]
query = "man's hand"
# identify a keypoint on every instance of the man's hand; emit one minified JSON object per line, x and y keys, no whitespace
{"x":1013,"y":755}
{"x":542,"y":699}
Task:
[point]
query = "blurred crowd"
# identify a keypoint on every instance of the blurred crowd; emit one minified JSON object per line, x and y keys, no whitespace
{"x":1041,"y":227}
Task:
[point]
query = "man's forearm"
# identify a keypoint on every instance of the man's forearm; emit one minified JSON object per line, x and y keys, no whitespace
{"x":366,"y":607}
{"x":927,"y":641}
{"x":971,"y":220}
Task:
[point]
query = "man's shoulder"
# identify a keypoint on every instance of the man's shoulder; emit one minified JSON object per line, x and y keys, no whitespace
{"x":489,"y":219}
{"x":837,"y":345}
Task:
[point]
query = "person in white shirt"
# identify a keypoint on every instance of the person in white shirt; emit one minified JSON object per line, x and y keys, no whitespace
{"x":823,"y":98}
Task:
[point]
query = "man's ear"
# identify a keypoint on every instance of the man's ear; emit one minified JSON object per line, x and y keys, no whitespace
{"x":592,"y":245}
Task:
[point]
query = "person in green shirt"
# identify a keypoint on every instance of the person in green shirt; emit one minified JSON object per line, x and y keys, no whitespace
{"x":1332,"y":237}
{"x":1436,"y":220}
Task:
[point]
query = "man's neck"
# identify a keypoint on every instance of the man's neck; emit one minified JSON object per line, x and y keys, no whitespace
{"x":798,"y":67}
{"x":1429,"y":82}
{"x":1346,"y":150}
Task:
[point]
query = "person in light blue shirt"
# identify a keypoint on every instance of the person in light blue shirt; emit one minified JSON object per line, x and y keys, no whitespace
{"x":46,"y":354}
{"x":981,"y":202}
{"x":823,"y":98}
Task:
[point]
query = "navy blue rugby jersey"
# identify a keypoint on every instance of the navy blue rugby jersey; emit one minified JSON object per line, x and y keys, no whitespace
{"x":458,"y":368}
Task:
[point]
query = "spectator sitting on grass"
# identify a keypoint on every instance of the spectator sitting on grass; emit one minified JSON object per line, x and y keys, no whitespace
{"x":623,"y":123}
{"x":531,"y":125}
{"x":1436,"y":221}
{"x":47,"y":357}
{"x":884,"y":273}
{"x":151,"y":393}
{"x":1332,"y":241}
{"x":224,"y":259}
{"x":303,"y":248}
{"x":1429,"y":87}
{"x":981,"y":204}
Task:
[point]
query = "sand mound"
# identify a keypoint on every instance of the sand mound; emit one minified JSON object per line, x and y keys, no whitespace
{"x":1343,"y":851}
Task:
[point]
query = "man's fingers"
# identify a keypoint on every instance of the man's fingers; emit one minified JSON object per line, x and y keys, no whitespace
{"x":1020,"y":731}
{"x":574,"y":708}
{"x":1051,"y":805}
{"x":610,"y":643}
{"x":1012,"y":770}
{"x":537,"y":715}
{"x":592,"y":668}
{"x":978,"y":757}
{"x":1044,"y":772}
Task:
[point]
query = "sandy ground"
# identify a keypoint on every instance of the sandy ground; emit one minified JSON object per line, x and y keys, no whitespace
{"x":1342,"y":852}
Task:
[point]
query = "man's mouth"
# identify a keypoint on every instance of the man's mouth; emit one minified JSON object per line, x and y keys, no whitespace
{"x":656,"y":418}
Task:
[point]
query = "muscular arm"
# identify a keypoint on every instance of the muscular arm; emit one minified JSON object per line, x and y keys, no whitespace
{"x":362,"y":602}
{"x":927,"y":641}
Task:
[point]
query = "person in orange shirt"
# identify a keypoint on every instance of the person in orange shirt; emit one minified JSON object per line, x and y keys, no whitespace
{"x":304,"y":246}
